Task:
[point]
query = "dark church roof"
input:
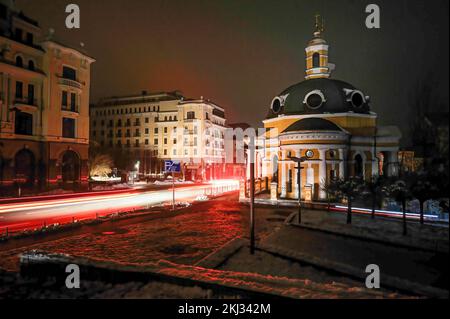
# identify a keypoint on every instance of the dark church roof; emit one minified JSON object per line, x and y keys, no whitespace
{"x":312,"y":124}
{"x":337,"y":98}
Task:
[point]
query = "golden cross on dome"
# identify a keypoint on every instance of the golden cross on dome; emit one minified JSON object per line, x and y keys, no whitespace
{"x":319,"y":26}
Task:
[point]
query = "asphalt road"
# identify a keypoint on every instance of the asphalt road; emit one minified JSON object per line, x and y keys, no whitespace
{"x":35,"y":214}
{"x":185,"y":236}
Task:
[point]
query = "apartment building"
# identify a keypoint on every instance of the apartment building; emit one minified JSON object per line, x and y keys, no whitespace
{"x":150,"y":128}
{"x":44,"y":105}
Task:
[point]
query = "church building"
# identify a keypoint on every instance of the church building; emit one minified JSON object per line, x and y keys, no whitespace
{"x":328,"y":123}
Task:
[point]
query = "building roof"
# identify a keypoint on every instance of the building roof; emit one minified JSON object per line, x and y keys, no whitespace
{"x":337,"y":98}
{"x":312,"y":124}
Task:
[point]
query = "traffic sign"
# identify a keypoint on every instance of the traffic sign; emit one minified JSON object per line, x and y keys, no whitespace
{"x":172,"y":166}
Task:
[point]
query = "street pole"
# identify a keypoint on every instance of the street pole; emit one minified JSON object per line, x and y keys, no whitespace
{"x":299,"y":176}
{"x":173,"y":190}
{"x":299,"y":161}
{"x":252,"y":195}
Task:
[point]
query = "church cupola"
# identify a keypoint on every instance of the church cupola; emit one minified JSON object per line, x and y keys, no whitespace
{"x":317,"y":65}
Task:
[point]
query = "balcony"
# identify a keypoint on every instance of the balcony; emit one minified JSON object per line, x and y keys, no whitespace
{"x":71,"y":83}
{"x":71,"y":108}
{"x":26,"y":101}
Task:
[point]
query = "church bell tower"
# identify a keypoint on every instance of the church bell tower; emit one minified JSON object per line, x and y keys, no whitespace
{"x":317,"y":65}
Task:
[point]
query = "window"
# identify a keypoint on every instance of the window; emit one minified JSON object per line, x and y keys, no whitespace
{"x":156,"y":130}
{"x":146,"y":141}
{"x":24,"y":123}
{"x":165,"y":152}
{"x":31,"y":65}
{"x":289,"y":186}
{"x":146,"y":131}
{"x":19,"y":34}
{"x":146,"y":120}
{"x":316,"y":60}
{"x":64,"y":99}
{"x":31,"y":94}
{"x":190,"y":115}
{"x":174,"y":152}
{"x":195,"y":151}
{"x":73,"y":102}
{"x":69,"y":73}
{"x":195,"y":141}
{"x":174,"y":141}
{"x":136,"y":143}
{"x":165,"y":130}
{"x":19,"y":61}
{"x":165,"y":141}
{"x":68,"y":127}
{"x":30,"y":38}
{"x":3,"y":12}
{"x":155,"y":141}
{"x":19,"y":89}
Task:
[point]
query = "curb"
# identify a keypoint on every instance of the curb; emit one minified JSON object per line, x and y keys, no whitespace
{"x":375,"y":240}
{"x":220,"y":256}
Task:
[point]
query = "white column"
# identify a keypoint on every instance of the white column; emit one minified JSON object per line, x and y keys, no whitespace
{"x":375,"y":165}
{"x":341,"y":163}
{"x":393,"y":163}
{"x":322,"y":173}
{"x":283,"y":175}
{"x":297,"y":154}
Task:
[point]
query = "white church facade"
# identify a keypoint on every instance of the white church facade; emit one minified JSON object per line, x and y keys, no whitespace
{"x":328,"y":123}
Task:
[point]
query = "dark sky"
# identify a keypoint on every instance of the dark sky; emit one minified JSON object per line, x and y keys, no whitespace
{"x":241,"y":53}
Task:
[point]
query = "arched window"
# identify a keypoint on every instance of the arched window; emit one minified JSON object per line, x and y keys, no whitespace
{"x":31,"y":65}
{"x":275,"y":169}
{"x":358,"y":166}
{"x":316,"y":60}
{"x":19,"y":61}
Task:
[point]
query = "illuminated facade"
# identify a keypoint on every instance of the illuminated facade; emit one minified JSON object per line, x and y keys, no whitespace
{"x":44,"y":105}
{"x":329,"y":123}
{"x":151,"y":128}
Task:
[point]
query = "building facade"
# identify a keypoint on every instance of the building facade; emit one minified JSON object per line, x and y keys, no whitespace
{"x":44,"y":105}
{"x":150,"y":128}
{"x":328,"y":123}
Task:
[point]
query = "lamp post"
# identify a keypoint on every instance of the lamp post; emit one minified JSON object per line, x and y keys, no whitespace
{"x":252,"y":194}
{"x":299,"y":161}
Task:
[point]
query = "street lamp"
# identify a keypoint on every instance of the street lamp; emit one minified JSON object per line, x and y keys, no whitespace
{"x":299,"y":161}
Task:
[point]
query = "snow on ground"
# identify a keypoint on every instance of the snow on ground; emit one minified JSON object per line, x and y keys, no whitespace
{"x":169,"y":182}
{"x":110,"y":187}
{"x":390,"y":230}
{"x":311,"y":282}
{"x":277,"y":285}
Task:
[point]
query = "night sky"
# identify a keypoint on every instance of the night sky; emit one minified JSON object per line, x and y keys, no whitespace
{"x":241,"y":53}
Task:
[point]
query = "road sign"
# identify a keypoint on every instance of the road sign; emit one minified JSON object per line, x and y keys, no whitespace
{"x":172,"y":166}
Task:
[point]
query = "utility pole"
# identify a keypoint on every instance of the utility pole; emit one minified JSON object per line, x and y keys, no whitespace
{"x":252,"y":194}
{"x":173,"y":190}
